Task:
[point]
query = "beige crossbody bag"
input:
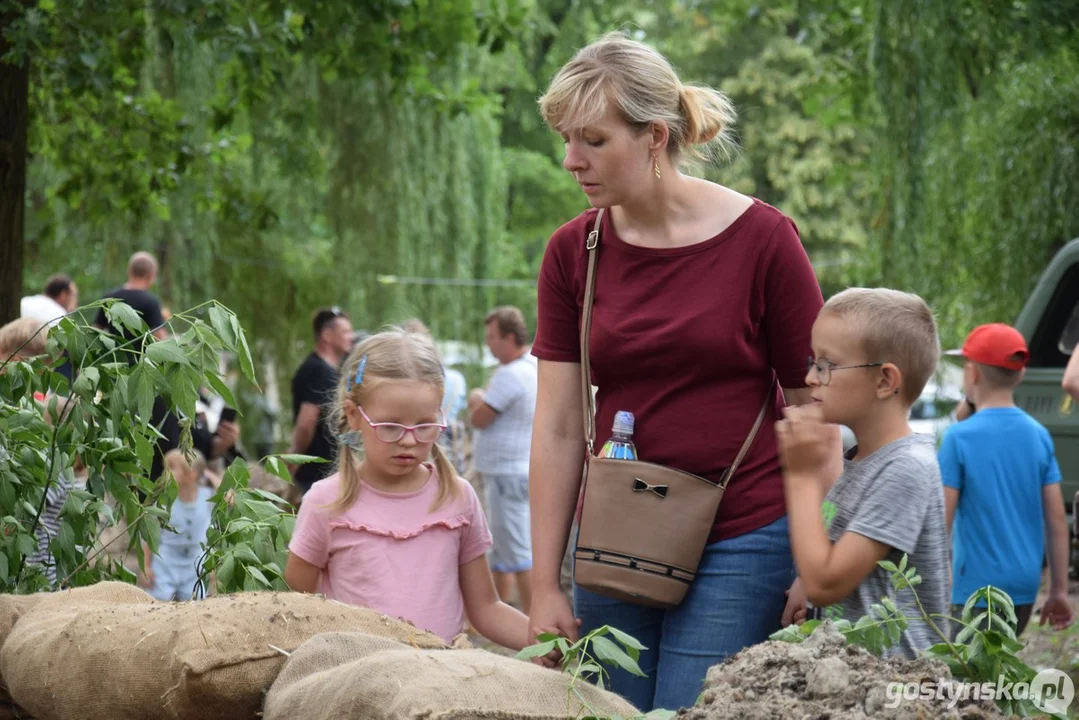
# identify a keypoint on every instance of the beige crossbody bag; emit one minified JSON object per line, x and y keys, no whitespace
{"x":643,"y":526}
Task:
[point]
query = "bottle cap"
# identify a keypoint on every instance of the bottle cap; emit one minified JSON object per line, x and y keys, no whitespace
{"x":623,"y":422}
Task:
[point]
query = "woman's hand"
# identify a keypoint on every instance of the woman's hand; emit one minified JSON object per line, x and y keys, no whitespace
{"x":551,"y":613}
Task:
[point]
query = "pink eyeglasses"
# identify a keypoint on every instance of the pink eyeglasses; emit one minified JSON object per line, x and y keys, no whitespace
{"x":389,"y":432}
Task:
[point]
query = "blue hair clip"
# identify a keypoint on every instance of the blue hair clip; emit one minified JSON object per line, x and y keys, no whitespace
{"x":359,"y":374}
{"x":351,"y":439}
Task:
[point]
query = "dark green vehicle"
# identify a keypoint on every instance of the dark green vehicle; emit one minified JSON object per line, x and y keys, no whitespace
{"x":1050,"y":323}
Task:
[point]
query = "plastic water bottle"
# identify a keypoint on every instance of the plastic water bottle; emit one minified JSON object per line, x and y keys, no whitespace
{"x":620,"y":446}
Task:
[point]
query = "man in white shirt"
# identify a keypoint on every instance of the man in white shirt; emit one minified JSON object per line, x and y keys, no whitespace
{"x":503,"y":413}
{"x":61,"y":297}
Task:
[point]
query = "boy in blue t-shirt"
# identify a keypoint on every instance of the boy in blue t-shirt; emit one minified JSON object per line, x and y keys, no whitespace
{"x":1002,"y":486}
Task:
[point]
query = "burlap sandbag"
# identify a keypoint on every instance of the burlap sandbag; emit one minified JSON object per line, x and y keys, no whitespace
{"x":351,"y":675}
{"x":12,"y":607}
{"x":212,"y":658}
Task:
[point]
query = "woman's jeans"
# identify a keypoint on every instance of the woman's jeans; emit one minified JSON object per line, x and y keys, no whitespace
{"x":737,"y":600}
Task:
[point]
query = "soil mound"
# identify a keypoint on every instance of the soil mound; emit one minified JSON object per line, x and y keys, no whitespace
{"x":824,"y":677}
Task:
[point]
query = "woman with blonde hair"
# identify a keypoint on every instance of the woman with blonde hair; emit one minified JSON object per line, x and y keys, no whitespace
{"x":22,"y":339}
{"x":704,"y":302}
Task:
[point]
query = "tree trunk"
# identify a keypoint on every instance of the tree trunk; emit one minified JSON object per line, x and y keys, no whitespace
{"x":14,"y":99}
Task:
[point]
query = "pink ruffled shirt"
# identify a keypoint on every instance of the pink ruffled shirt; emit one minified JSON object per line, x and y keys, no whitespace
{"x":389,"y":552}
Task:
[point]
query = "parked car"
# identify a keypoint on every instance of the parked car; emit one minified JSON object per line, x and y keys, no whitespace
{"x":1050,"y":323}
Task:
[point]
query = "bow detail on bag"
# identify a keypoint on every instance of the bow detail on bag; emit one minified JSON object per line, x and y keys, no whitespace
{"x":640,"y":486}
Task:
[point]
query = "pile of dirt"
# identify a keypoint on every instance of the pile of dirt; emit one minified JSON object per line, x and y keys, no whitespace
{"x":824,"y":677}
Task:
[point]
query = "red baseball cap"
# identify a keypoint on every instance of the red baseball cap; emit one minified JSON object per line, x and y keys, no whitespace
{"x":997,"y":345}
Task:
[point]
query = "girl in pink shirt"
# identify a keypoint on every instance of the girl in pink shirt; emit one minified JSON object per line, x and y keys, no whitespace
{"x":390,"y":530}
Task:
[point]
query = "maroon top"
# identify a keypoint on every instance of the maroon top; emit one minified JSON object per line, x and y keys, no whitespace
{"x":687,"y":339}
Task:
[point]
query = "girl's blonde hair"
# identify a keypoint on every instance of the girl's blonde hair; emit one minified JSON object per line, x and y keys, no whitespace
{"x":393,"y":354}
{"x":637,"y":80}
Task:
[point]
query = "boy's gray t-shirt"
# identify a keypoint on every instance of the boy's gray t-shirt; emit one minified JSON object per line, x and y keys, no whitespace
{"x":895,"y":496}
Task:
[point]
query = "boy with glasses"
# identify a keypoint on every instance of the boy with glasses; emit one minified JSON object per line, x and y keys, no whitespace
{"x":874,"y":350}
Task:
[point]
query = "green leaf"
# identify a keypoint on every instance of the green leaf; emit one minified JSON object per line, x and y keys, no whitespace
{"x":293,"y":459}
{"x":244,"y":553}
{"x":122,"y":313}
{"x":226,"y":571}
{"x":219,"y":320}
{"x":145,"y":451}
{"x":27,"y":544}
{"x":244,"y":352}
{"x":151,"y":532}
{"x":534,"y":651}
{"x":66,"y":540}
{"x":903,"y":563}
{"x":238,"y":473}
{"x":167,"y":351}
{"x":276,"y":467}
{"x":3,"y":566}
{"x":257,"y":574}
{"x":141,"y":394}
{"x":611,"y":654}
{"x":87,"y":382}
{"x":626,"y":639}
{"x":589,"y":668}
{"x":269,"y":497}
{"x":220,"y":388}
{"x":888,"y":565}
{"x":183,"y":393}
{"x":789,"y":634}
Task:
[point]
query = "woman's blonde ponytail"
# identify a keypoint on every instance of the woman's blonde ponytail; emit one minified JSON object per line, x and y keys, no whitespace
{"x":708,"y":113}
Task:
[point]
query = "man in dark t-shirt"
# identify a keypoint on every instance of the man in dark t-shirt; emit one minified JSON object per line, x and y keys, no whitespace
{"x":313,"y":388}
{"x":141,"y":276}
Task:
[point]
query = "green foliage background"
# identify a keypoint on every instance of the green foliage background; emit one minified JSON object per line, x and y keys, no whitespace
{"x":278,"y":156}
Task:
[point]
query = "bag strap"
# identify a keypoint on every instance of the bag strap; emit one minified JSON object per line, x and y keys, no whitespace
{"x":589,"y":404}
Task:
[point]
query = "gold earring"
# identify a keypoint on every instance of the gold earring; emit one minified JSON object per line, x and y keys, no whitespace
{"x":655,"y":159}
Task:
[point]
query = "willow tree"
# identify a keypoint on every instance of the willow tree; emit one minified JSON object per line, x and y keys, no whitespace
{"x":277,"y":158}
{"x":976,"y":151}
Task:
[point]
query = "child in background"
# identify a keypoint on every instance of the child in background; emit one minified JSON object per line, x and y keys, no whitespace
{"x":874,"y":351}
{"x":173,"y":573}
{"x":20,"y":341}
{"x":396,"y":529}
{"x":1002,"y":486}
